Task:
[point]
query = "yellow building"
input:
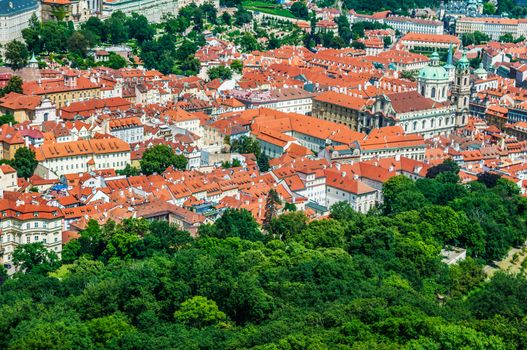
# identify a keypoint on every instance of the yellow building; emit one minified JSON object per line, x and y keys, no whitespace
{"x":10,"y":142}
{"x":63,"y":91}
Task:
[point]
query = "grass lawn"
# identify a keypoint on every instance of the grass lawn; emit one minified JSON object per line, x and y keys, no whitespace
{"x":266,"y":7}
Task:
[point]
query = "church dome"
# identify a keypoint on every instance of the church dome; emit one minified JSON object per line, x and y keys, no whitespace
{"x":434,"y":71}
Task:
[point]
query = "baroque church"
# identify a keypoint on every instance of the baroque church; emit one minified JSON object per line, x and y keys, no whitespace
{"x":438,"y":107}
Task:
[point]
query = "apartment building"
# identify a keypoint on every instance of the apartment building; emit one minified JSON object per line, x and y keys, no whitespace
{"x":25,"y":221}
{"x":295,"y":100}
{"x":14,"y":17}
{"x":129,"y":129}
{"x":429,"y":42}
{"x":493,"y":27}
{"x":84,"y":155}
{"x":63,"y":91}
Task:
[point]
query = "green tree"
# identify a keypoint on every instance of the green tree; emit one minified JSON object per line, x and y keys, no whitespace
{"x":54,"y":36}
{"x":7,"y":119}
{"x":24,"y":162}
{"x":271,"y":207}
{"x":35,"y":258}
{"x":78,"y":44}
{"x":116,"y":61}
{"x":263,"y":162}
{"x":159,"y":157}
{"x":234,"y":223}
{"x":401,"y":194}
{"x":273,"y":43}
{"x":288,"y":224}
{"x":95,"y":26}
{"x":489,"y":8}
{"x":242,"y":17}
{"x":322,"y":234}
{"x":190,"y":66}
{"x":210,"y":12}
{"x":358,"y":45}
{"x":226,"y":18}
{"x":248,"y":42}
{"x":3,"y":274}
{"x":166,"y":237}
{"x":16,"y":54}
{"x":344,"y":30}
{"x":13,"y":85}
{"x":299,"y":10}
{"x":128,"y":171}
{"x":489,"y":179}
{"x":31,"y":35}
{"x":115,"y":28}
{"x":447,"y":166}
{"x":186,"y":49}
{"x":199,"y":312}
{"x":139,"y":28}
{"x":219,"y":72}
{"x":105,"y":331}
{"x":237,"y":66}
{"x":246,"y":145}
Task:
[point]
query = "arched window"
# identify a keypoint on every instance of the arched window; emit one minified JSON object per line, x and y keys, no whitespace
{"x":422,"y":90}
{"x":433,"y":92}
{"x":424,"y":124}
{"x":440,"y":122}
{"x":432,"y":123}
{"x":415,"y":126}
{"x":405,"y":127}
{"x":444,"y":91}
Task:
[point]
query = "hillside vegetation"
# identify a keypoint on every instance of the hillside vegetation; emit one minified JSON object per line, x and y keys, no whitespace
{"x":352,"y":281}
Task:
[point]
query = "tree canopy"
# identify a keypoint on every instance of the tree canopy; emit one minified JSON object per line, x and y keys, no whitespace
{"x":352,"y":280}
{"x":158,"y":158}
{"x":24,"y":162}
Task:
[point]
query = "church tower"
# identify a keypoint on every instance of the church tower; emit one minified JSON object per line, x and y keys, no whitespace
{"x":461,"y":90}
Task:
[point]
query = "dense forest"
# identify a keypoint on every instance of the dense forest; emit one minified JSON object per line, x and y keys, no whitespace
{"x":351,"y":281}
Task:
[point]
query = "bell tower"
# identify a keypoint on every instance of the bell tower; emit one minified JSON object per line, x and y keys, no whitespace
{"x":461,"y":90}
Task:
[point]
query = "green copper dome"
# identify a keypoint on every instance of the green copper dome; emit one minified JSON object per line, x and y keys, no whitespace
{"x":33,"y":59}
{"x":480,"y":70}
{"x":434,"y":71}
{"x":463,"y":63}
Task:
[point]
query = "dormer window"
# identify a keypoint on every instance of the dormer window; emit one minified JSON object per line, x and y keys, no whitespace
{"x":35,"y":214}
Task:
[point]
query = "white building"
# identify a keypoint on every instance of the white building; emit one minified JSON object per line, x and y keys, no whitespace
{"x":492,"y":26}
{"x":14,"y":16}
{"x":129,"y":129}
{"x":402,"y":24}
{"x":8,"y":179}
{"x":181,"y":119}
{"x":342,"y":187}
{"x":153,"y":10}
{"x":22,"y":223}
{"x":294,"y":100}
{"x":84,"y":155}
{"x":416,"y":25}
